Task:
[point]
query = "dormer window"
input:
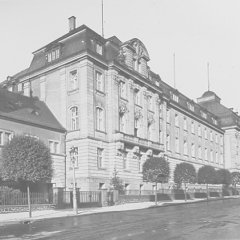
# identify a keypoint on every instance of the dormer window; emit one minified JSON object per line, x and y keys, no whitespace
{"x":53,"y":55}
{"x":175,"y":98}
{"x":203,"y":114}
{"x":99,"y":49}
{"x":214,"y":121}
{"x":190,"y":106}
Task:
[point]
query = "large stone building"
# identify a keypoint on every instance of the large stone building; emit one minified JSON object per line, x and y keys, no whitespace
{"x":117,"y":111}
{"x":21,"y":115}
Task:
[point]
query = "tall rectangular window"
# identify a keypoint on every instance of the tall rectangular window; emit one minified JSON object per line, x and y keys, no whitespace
{"x":150,"y":103}
{"x":99,"y":48}
{"x":177,"y":145}
{"x":122,"y":123}
{"x":74,"y":118}
{"x":199,"y":152}
{"x":1,"y":138}
{"x":99,"y":81}
{"x":73,"y":80}
{"x":100,"y":119}
{"x":199,"y":130}
{"x":206,"y":154}
{"x":99,"y":157}
{"x":193,"y":150}
{"x":205,"y":133}
{"x":211,"y":135}
{"x":185,"y":123}
{"x":54,"y":146}
{"x":168,"y":115}
{"x":176,"y":120}
{"x":211,"y":156}
{"x":193,"y":127}
{"x":168,"y":142}
{"x":185,"y":147}
{"x":136,"y":127}
{"x":7,"y":137}
{"x":123,"y":90}
{"x":137,"y":97}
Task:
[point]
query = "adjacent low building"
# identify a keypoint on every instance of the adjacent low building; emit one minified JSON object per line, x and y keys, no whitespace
{"x":21,"y":115}
{"x":116,"y":110}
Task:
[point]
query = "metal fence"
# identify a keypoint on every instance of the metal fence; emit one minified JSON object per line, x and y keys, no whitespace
{"x":21,"y":198}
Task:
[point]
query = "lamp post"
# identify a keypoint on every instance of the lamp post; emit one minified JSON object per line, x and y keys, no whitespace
{"x":73,"y":160}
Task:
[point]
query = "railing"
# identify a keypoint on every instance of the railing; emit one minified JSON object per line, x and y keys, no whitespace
{"x":22,"y":199}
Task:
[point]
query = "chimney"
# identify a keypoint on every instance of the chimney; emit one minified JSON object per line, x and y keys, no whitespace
{"x":72,"y":23}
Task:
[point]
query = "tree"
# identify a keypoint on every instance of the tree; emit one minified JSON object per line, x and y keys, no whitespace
{"x":26,"y":160}
{"x":184,"y":173}
{"x":206,"y":175}
{"x":156,"y":170}
{"x":235,"y":178}
{"x":223,"y":176}
{"x":116,"y":182}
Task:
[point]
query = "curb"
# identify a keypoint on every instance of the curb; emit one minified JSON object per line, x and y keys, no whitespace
{"x":163,"y":204}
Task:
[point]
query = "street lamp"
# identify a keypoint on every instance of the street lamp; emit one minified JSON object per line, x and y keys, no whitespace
{"x":73,"y":160}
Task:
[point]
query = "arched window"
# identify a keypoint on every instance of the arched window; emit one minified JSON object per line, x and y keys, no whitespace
{"x":74,"y":124}
{"x":100,"y":118}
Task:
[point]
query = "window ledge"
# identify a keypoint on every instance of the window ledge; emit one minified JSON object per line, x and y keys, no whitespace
{"x":100,"y":92}
{"x":101,"y":131}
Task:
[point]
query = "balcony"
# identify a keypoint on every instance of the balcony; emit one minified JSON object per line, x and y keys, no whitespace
{"x":130,"y":139}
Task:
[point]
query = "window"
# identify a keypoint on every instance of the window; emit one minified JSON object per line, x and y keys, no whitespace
{"x":192,"y":128}
{"x":216,"y":138}
{"x":99,"y":48}
{"x":137,"y":97}
{"x":211,"y":136}
{"x":123,"y":90}
{"x":199,"y":131}
{"x":150,"y":131}
{"x":199,"y":152}
{"x":175,"y":97}
{"x":160,"y":136}
{"x":7,"y":137}
{"x":214,"y":121}
{"x":190,"y":106}
{"x":135,"y":64}
{"x":150,"y":103}
{"x":185,"y":148}
{"x":168,"y":142}
{"x":221,"y":140}
{"x":73,"y":80}
{"x":100,"y":119}
{"x":54,"y":146}
{"x":205,"y":133}
{"x":211,"y":156}
{"x":124,"y":155}
{"x":161,"y":111}
{"x":221,"y":158}
{"x":217,"y":160}
{"x":99,"y":157}
{"x":177,"y":145}
{"x":53,"y":55}
{"x":99,"y":81}
{"x":203,"y":114}
{"x":74,"y":118}
{"x":193,"y":150}
{"x":206,"y":154}
{"x":176,"y":120}
{"x":168,"y":115}
{"x":185,"y":124}
{"x":136,"y":127}
{"x":122,"y":123}
{"x":20,"y":87}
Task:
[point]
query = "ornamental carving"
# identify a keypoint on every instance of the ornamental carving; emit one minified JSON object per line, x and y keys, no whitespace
{"x":123,"y":108}
{"x":138,"y":114}
{"x":150,"y":118}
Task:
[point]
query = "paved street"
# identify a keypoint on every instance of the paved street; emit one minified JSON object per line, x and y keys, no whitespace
{"x":213,"y":220}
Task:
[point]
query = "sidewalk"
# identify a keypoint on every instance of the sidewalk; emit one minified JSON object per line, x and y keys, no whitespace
{"x":8,"y":218}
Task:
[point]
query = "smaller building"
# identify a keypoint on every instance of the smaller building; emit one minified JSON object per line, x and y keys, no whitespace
{"x":230,"y":123}
{"x":21,"y":115}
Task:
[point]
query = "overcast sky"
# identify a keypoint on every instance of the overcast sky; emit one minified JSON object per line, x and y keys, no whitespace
{"x":197,"y":31}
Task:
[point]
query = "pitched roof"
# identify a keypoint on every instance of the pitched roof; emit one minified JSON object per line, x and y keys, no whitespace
{"x":28,"y":110}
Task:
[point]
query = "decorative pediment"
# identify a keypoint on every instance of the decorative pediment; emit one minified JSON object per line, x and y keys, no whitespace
{"x":140,"y":49}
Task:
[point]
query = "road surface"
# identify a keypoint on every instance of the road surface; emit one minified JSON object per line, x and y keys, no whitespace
{"x":213,"y":220}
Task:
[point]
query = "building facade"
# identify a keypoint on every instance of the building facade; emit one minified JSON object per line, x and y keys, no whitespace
{"x":117,"y":111}
{"x":21,"y":115}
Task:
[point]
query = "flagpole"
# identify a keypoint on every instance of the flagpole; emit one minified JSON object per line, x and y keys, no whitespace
{"x":102,"y":20}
